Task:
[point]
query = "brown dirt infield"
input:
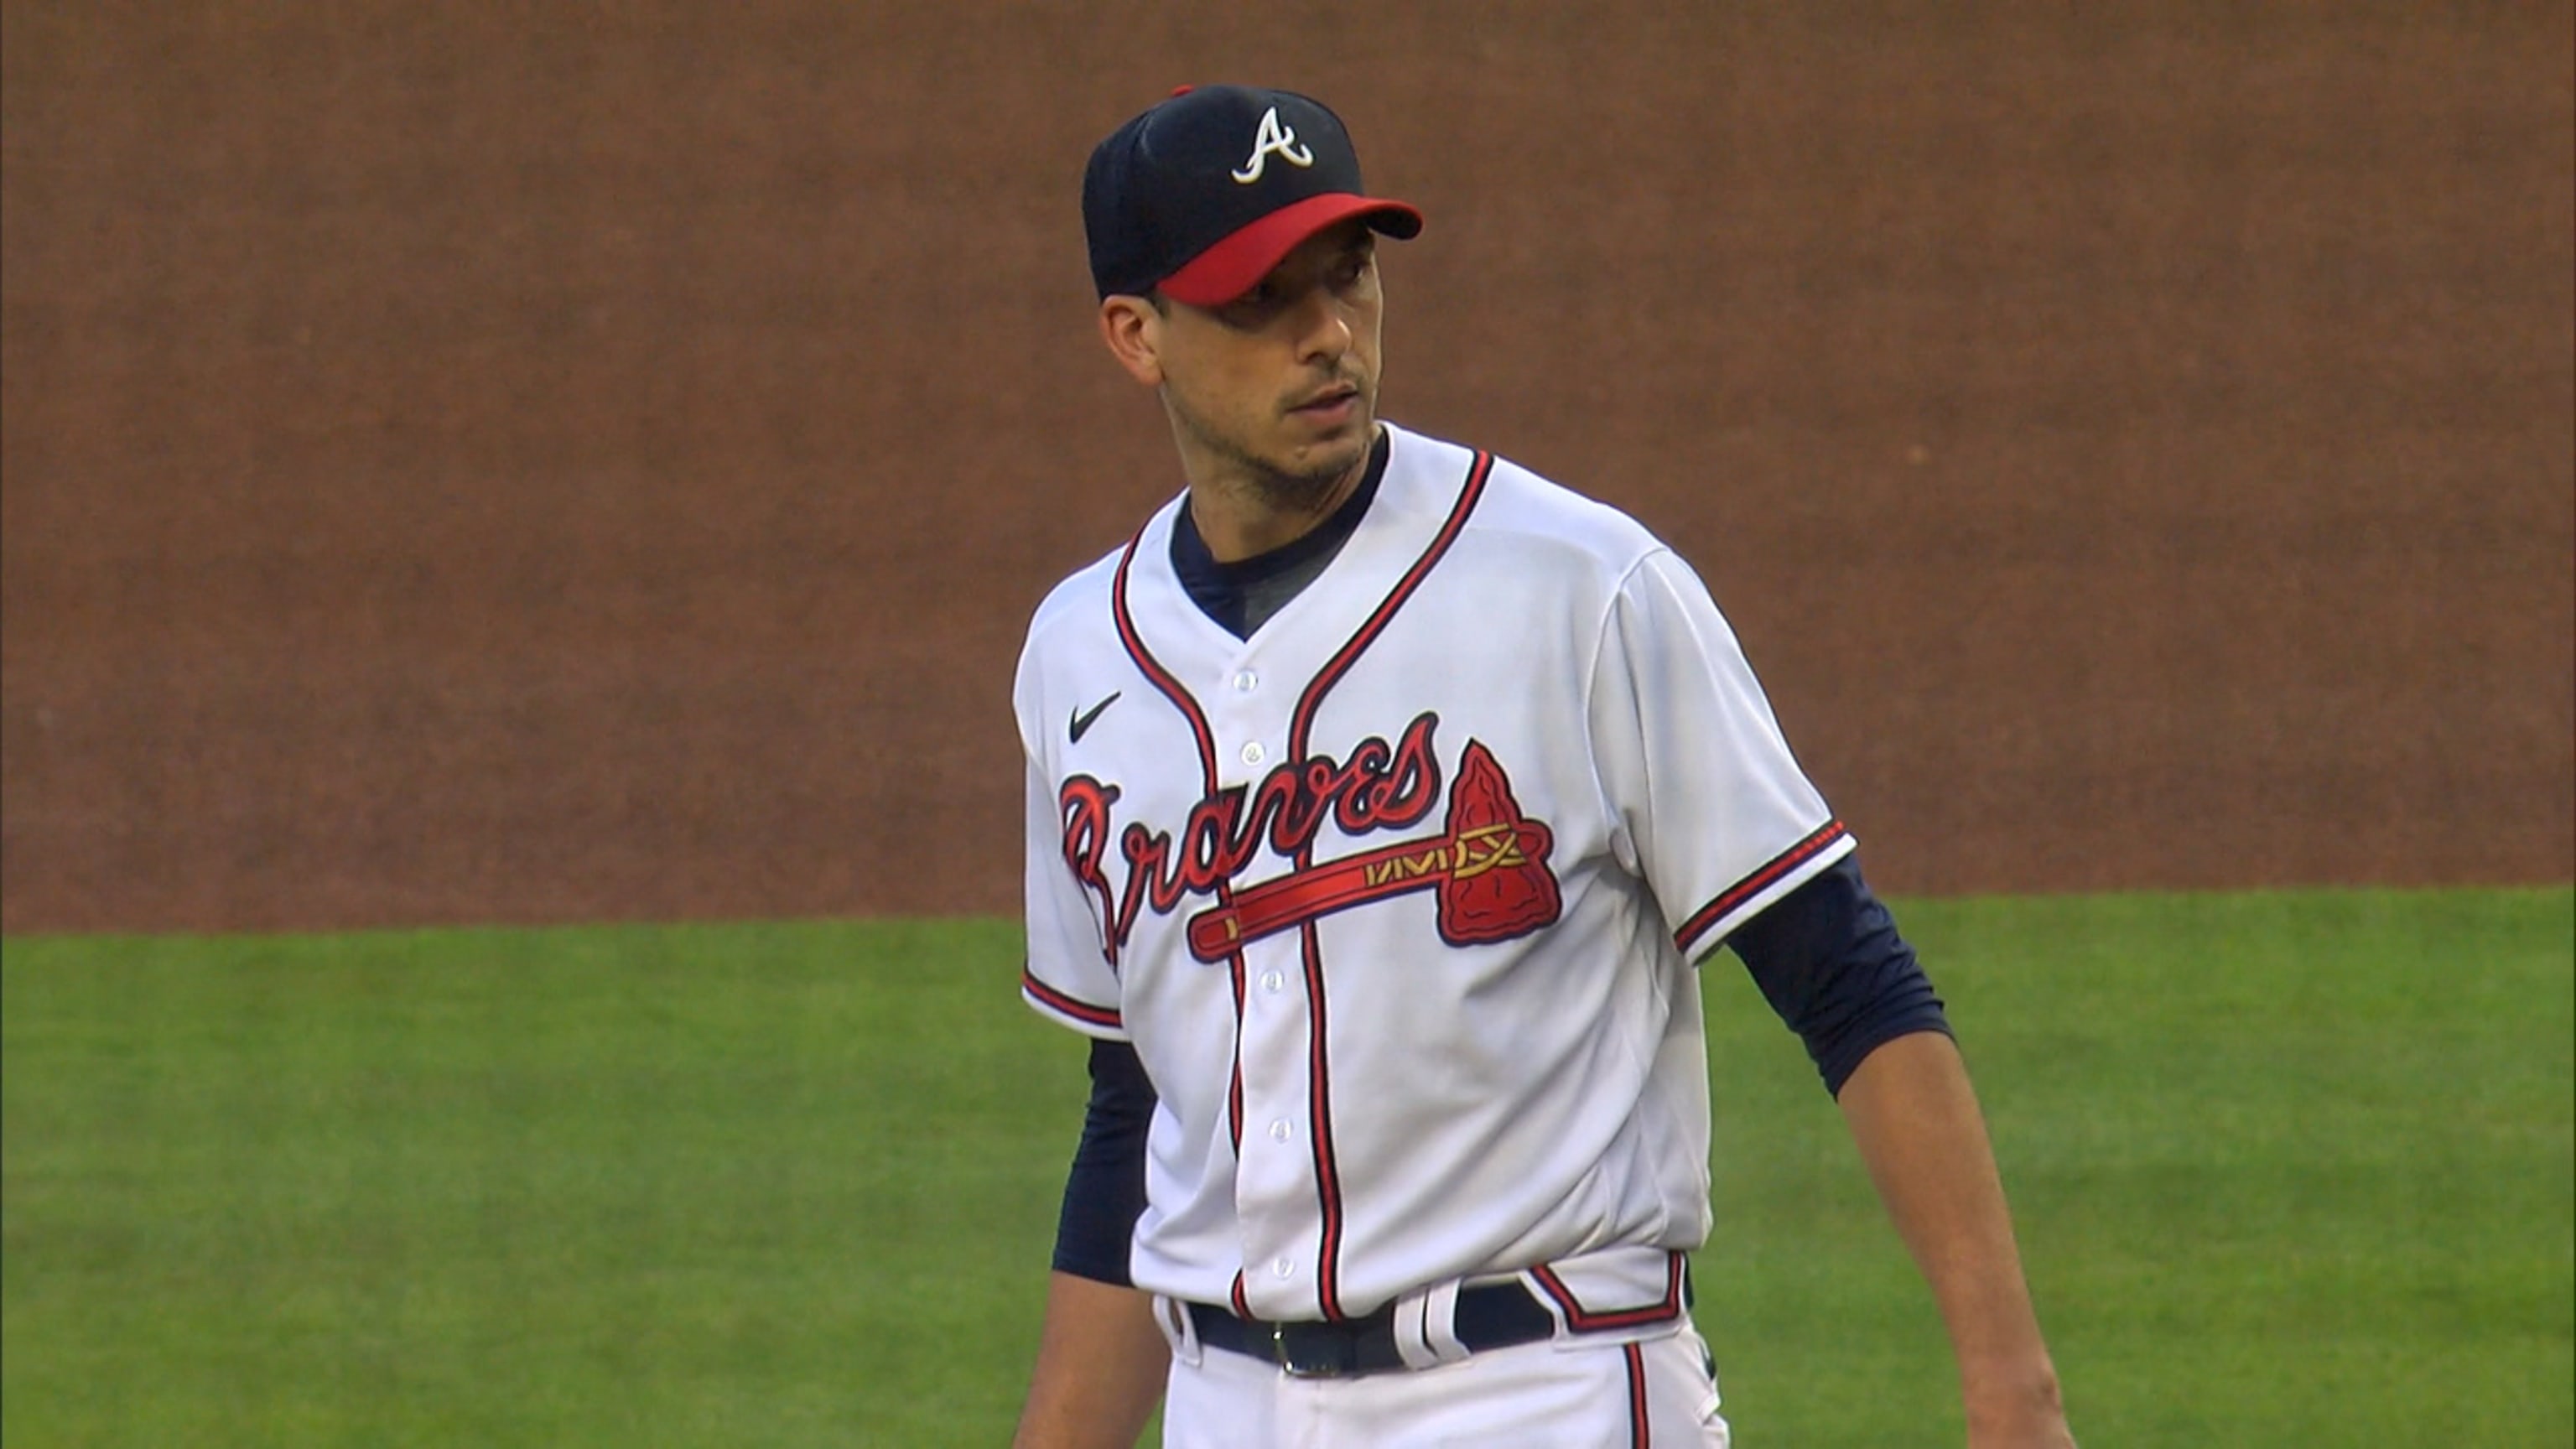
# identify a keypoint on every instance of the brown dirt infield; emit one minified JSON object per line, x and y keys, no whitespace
{"x":599,"y":466}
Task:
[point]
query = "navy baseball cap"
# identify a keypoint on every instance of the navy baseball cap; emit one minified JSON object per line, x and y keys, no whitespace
{"x":1203,"y":194}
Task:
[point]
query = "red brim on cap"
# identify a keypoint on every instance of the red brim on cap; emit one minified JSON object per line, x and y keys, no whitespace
{"x":1235,"y":265}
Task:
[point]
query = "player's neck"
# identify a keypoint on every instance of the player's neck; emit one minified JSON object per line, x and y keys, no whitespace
{"x":1241,"y":514}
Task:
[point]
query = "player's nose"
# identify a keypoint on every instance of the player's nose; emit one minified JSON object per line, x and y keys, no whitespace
{"x":1324,"y":330}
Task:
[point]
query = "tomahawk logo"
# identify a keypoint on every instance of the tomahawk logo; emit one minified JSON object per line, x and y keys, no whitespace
{"x":1273,"y":139}
{"x":1486,"y":867}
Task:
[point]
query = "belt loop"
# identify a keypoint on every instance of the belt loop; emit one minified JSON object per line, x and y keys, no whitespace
{"x":1179,"y":1330}
{"x":1426,"y":1326}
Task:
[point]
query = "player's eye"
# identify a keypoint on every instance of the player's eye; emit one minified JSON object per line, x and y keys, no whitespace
{"x":1249,"y":311}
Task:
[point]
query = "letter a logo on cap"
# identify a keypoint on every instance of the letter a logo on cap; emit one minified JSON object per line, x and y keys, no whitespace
{"x":1273,"y":139}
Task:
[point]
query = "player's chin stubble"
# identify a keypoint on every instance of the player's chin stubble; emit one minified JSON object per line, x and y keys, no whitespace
{"x":1301,"y":487}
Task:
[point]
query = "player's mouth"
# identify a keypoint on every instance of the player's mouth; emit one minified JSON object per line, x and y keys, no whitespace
{"x":1332,"y":406}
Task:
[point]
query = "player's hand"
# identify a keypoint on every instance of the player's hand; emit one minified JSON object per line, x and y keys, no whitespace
{"x":2035,"y":1427}
{"x":2056,"y":1436}
{"x":2017,"y":1408}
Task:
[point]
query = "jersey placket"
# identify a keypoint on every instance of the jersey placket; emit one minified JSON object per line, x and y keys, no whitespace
{"x":1277,"y":1202}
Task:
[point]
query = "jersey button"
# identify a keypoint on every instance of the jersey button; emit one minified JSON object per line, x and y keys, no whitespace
{"x":1279,"y":1130}
{"x":1282,"y":1268}
{"x":1252,"y":753}
{"x":1246,"y":682}
{"x":1272,"y":980}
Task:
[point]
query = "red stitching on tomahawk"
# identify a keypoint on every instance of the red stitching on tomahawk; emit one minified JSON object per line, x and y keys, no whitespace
{"x":1489,"y":869}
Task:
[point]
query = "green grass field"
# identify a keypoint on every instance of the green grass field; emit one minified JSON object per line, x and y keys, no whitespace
{"x":2291,"y":1170}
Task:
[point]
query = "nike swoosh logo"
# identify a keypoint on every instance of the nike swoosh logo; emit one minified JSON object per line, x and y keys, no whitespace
{"x":1082,"y":718}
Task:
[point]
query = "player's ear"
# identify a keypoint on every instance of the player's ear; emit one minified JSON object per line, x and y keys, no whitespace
{"x":1133,"y":330}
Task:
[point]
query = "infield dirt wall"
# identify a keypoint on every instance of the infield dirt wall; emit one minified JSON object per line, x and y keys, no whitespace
{"x":597,"y":462}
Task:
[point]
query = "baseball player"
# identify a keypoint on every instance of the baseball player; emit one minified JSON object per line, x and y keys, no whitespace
{"x":1382,"y":798}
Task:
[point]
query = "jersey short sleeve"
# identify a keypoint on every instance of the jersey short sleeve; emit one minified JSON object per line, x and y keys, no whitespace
{"x":1067,"y":977}
{"x":1709,"y":805}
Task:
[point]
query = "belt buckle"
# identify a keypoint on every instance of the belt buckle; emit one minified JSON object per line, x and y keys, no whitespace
{"x":1301,"y":1368}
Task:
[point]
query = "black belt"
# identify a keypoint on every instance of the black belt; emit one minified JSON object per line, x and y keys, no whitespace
{"x":1491,"y":1315}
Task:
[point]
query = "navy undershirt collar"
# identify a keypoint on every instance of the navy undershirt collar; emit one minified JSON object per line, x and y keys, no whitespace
{"x":1227,"y":592}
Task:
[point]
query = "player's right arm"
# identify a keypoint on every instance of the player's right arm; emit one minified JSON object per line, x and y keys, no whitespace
{"x":1101,"y":1365}
{"x":1101,"y":1358}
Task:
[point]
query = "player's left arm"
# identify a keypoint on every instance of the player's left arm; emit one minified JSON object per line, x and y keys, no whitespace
{"x":1677,"y":721}
{"x":1915,"y":1119}
{"x":1828,"y":958}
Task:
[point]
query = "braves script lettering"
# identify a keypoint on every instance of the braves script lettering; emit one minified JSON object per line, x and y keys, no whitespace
{"x":1379,"y":787}
{"x":1489,"y":868}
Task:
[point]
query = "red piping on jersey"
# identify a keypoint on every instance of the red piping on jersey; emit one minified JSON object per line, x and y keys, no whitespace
{"x":1584,"y":1320}
{"x":1638,"y":1429}
{"x":1057,"y":1001}
{"x":1319,"y":1106}
{"x":1758,"y":882}
{"x":1328,"y":1177}
{"x":1162,"y":679}
{"x":1333,"y":670}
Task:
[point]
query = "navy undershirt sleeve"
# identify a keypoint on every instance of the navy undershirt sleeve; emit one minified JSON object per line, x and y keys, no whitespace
{"x":1828,"y":959}
{"x":1105,"y":1192}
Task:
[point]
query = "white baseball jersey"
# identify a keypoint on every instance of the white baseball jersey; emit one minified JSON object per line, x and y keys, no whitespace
{"x":1397,"y":898}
